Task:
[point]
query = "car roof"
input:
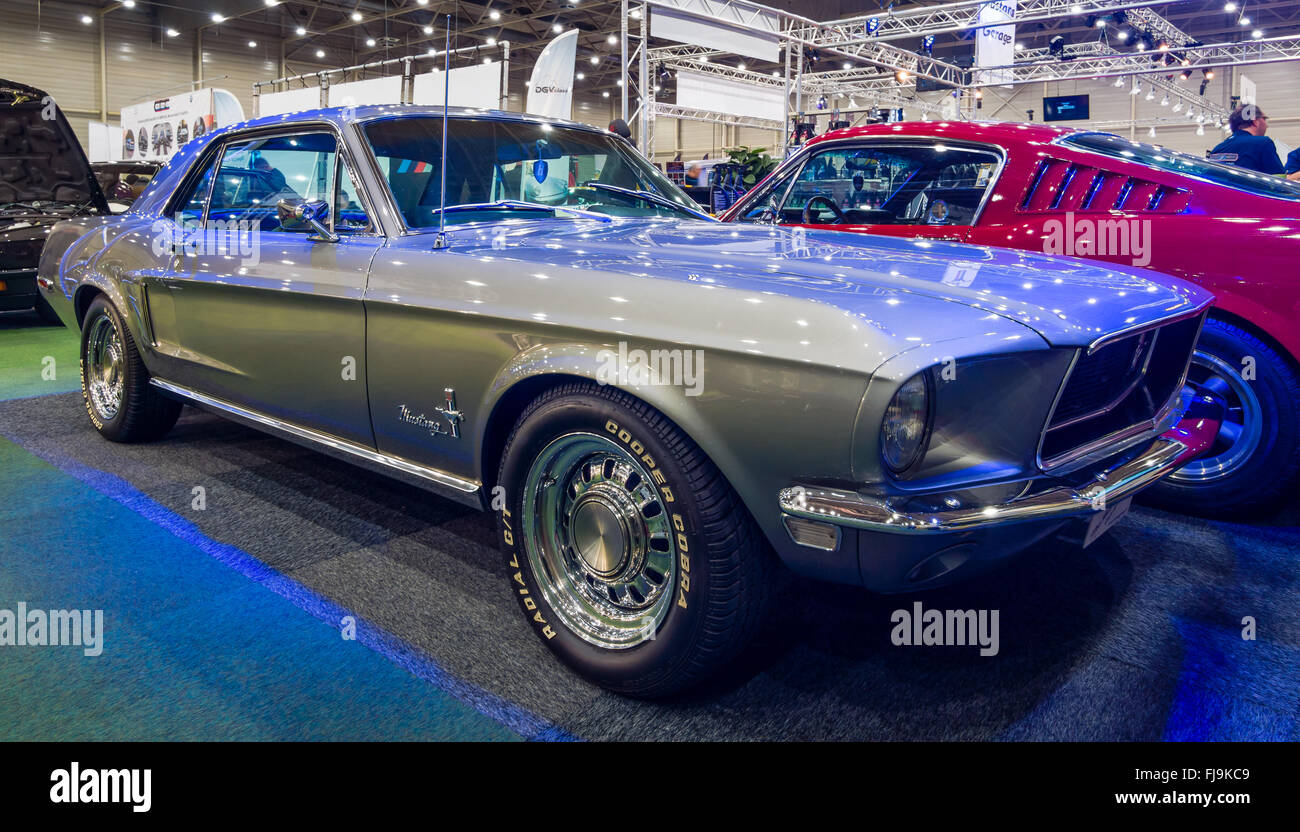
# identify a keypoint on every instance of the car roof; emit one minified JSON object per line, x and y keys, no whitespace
{"x":998,"y":132}
{"x":369,"y":112}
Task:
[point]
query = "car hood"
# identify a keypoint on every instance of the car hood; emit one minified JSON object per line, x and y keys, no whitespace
{"x":41,"y":159}
{"x":1069,"y":302}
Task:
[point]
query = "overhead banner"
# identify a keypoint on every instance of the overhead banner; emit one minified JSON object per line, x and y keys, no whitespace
{"x":755,"y":32}
{"x":705,"y":91}
{"x":385,"y":90}
{"x":995,"y":46}
{"x":157,"y":129}
{"x":477,"y":85}
{"x":550,"y":91}
{"x":289,"y":101}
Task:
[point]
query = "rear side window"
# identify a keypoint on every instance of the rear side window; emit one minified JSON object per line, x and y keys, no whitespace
{"x":1163,"y":158}
{"x":189,"y":213}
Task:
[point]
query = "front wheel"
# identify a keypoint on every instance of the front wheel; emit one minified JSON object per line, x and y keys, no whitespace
{"x":628,"y":552}
{"x":1256,"y":455}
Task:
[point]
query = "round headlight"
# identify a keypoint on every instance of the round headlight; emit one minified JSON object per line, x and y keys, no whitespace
{"x":906,"y":423}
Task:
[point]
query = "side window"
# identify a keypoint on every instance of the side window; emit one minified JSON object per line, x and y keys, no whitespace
{"x":921,"y":184}
{"x":189,"y":211}
{"x":256,"y":174}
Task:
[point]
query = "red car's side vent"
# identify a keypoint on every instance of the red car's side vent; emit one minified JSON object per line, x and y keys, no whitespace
{"x":1058,"y":185}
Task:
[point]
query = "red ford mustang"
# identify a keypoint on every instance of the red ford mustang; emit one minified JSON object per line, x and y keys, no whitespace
{"x":1103,"y":197}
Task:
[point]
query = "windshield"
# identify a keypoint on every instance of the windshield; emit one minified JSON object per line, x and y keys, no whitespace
{"x":493,"y":165}
{"x":1165,"y":159}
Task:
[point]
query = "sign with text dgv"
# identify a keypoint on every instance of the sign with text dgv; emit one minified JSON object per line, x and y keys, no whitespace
{"x":550,"y":90}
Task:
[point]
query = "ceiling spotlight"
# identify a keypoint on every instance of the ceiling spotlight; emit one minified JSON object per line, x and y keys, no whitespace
{"x":1151,"y":94}
{"x":356,"y":17}
{"x":268,"y":2}
{"x":1056,"y":46}
{"x":320,"y":53}
{"x":128,"y":4}
{"x":979,"y":93}
{"x":300,"y":31}
{"x":1122,"y":35}
{"x":902,"y":76}
{"x":1163,"y":46}
{"x":491,"y":41}
{"x":423,"y":2}
{"x":1200,"y":129}
{"x":1178,"y":105}
{"x":370,"y":41}
{"x":848,"y":65}
{"x":927,"y":43}
{"x":612,"y":40}
{"x":604,"y":93}
{"x":556,"y":27}
{"x":1257,"y":34}
{"x":171,"y":33}
{"x":776,"y":74}
{"x":1100,"y":23}
{"x":1164,"y":102}
{"x":218,"y":18}
{"x":428,"y":30}
{"x":87,"y":19}
{"x":595,"y":59}
{"x":1230,"y":7}
{"x":494,"y":15}
{"x":1137,"y":88}
{"x":252,"y":44}
{"x":579,"y":75}
{"x":1243,"y":21}
{"x":1076,"y":9}
{"x":741,"y":67}
{"x":1184,"y":75}
{"x":1019,"y":46}
{"x":1119,"y":82}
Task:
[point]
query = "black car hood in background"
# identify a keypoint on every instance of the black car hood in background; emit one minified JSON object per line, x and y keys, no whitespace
{"x":40,"y":157}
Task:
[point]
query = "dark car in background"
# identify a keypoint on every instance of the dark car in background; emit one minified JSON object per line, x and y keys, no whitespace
{"x":44,"y":178}
{"x":122,"y":182}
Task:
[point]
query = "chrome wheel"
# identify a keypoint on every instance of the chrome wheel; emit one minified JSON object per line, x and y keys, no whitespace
{"x":105,"y":368}
{"x":1243,"y":423}
{"x":599,"y":540}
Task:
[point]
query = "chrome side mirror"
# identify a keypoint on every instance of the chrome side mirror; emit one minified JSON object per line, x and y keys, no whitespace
{"x":295,"y":213}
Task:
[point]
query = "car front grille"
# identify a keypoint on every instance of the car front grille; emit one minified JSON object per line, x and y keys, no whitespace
{"x":1117,"y":391}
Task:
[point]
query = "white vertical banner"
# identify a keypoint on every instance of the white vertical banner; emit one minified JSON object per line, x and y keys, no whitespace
{"x":1248,"y":91}
{"x":995,"y":45}
{"x":550,"y":91}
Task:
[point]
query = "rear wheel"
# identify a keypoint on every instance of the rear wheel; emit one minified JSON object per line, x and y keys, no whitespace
{"x":629,"y":553}
{"x":1256,"y":455}
{"x":122,"y":404}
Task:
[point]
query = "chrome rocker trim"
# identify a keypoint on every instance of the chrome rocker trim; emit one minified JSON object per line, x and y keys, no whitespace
{"x":440,"y":482}
{"x":1193,"y":436}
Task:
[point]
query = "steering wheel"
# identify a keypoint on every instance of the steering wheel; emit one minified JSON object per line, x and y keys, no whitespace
{"x":824,"y":200}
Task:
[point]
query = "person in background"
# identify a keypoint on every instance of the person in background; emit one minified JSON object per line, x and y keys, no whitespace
{"x":1248,"y":147}
{"x":1293,"y":164}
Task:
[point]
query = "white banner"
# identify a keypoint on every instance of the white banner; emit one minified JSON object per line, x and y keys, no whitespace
{"x":550,"y":90}
{"x":704,"y":23}
{"x":702,"y":91}
{"x":289,"y":101}
{"x":995,"y":45}
{"x":386,"y":90}
{"x":478,"y":85}
{"x":157,"y":129}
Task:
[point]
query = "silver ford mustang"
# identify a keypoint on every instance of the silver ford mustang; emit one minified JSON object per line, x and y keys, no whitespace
{"x":657,"y":407}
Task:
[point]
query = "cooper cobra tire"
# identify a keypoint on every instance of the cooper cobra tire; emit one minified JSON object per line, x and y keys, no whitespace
{"x":628,"y":552}
{"x":1256,"y":457}
{"x":114,"y":382}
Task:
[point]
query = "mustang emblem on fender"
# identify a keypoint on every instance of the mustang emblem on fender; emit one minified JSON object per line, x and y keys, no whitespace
{"x":434,"y":426}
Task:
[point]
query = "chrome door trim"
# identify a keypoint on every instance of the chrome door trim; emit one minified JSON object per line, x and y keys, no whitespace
{"x":448,"y":485}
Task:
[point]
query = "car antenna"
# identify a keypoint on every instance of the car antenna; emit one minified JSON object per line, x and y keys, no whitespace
{"x":440,"y":241}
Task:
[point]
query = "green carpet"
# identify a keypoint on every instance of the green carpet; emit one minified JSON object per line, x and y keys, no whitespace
{"x":36,"y":359}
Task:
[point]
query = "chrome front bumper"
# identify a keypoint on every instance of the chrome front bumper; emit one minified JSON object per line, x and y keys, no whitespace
{"x":1192,"y":436}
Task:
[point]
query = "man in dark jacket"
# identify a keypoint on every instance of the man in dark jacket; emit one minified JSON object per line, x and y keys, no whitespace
{"x":1248,"y":147}
{"x":1293,"y":163}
